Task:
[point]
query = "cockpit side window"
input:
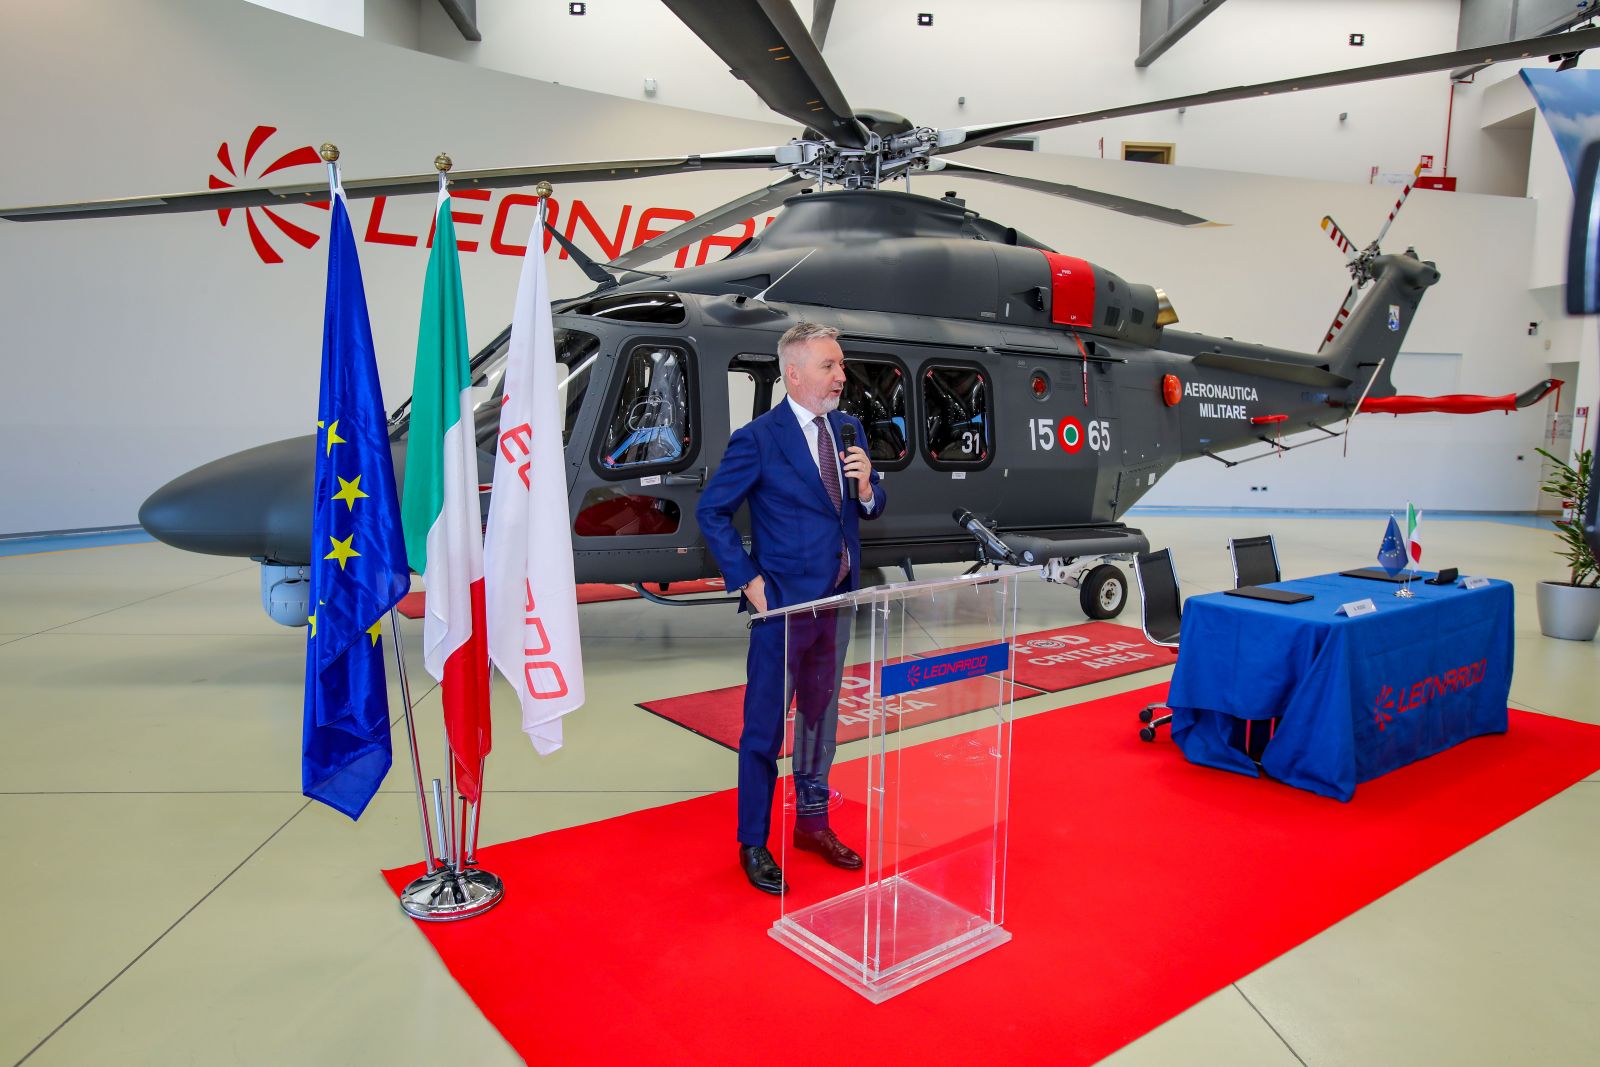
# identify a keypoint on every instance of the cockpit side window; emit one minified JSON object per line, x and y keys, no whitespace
{"x":650,"y":424}
{"x":875,"y":392}
{"x":956,"y":415}
{"x":575,"y":355}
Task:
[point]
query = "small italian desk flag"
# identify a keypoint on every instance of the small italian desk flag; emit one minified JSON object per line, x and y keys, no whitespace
{"x":1414,"y":532}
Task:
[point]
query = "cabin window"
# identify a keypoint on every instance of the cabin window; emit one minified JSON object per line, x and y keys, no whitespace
{"x":650,"y":423}
{"x":955,"y":403}
{"x":875,"y":393}
{"x":575,"y":355}
{"x":751,"y":381}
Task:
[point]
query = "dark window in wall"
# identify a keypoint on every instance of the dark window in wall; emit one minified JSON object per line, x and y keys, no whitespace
{"x":1147,"y":152}
{"x":955,"y":402}
{"x":650,"y":425}
{"x":875,"y":392}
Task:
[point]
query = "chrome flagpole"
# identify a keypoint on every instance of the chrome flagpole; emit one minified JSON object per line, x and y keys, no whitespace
{"x":450,"y":891}
{"x":411,"y":742}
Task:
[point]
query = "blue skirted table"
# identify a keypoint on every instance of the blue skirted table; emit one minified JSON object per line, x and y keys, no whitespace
{"x":1358,"y":697}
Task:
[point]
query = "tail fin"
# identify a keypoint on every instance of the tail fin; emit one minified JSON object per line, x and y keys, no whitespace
{"x":1378,"y":325}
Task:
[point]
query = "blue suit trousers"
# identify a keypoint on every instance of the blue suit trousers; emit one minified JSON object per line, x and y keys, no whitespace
{"x":814,"y":657}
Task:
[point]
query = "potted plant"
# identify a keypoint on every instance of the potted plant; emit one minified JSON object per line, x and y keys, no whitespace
{"x":1571,"y":610}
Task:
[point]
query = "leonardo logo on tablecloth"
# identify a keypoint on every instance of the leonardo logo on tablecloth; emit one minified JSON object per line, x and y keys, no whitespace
{"x":1391,"y":702}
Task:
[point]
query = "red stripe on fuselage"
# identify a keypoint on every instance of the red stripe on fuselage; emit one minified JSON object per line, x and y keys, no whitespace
{"x":1071,"y":290}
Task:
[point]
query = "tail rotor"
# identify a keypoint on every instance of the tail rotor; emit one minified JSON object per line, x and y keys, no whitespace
{"x":1358,"y":261}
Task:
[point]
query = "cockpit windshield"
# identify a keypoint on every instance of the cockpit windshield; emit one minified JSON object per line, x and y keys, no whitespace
{"x":575,"y":355}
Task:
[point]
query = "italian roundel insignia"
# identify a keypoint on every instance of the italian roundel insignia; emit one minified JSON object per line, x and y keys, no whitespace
{"x":1071,"y":434}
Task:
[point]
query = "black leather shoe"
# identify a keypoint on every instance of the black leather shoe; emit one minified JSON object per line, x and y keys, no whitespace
{"x":826,"y":844}
{"x":762,"y":870}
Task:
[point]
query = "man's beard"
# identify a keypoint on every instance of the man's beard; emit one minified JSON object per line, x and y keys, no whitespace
{"x":830,"y":403}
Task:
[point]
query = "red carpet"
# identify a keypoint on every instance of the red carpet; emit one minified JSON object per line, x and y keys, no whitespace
{"x":1045,"y":661}
{"x":414,"y":604}
{"x":1137,"y":887}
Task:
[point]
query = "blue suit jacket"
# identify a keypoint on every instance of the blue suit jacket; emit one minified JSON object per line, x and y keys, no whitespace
{"x":794,"y":529}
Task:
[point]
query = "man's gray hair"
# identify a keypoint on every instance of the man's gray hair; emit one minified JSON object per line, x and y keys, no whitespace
{"x":797,"y":337}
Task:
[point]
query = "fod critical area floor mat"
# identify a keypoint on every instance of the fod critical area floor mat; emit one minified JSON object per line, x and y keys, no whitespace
{"x":1044,"y":661}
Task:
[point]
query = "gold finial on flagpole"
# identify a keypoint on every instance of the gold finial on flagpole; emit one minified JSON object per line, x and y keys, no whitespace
{"x":330,"y":152}
{"x":442,"y":163}
{"x":543,"y":190}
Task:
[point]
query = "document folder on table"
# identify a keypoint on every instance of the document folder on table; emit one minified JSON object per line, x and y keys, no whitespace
{"x":1277,"y":596}
{"x":1378,"y":574}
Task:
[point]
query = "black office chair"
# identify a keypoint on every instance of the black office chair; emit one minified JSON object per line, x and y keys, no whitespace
{"x":1161,"y":611}
{"x":1255,"y":561}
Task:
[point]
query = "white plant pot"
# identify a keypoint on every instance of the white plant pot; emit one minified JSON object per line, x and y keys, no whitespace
{"x":1570,"y":612}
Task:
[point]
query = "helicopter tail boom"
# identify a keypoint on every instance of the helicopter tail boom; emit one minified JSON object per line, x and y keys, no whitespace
{"x":1372,"y":337}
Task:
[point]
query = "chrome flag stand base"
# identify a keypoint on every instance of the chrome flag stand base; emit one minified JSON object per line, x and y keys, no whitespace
{"x":453,"y":887}
{"x":447,"y":895}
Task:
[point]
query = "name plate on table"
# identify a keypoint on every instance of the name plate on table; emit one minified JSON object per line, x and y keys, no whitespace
{"x":903,"y":677}
{"x":1357,"y":608}
{"x":1475,"y":581}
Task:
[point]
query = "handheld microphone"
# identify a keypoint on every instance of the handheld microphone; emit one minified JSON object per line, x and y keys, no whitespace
{"x":847,"y":438}
{"x":995,"y":548}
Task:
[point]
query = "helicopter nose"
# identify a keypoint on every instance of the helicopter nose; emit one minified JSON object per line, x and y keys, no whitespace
{"x":255,"y":503}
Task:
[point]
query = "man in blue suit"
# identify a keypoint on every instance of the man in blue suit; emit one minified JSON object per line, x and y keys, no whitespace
{"x":805,"y":544}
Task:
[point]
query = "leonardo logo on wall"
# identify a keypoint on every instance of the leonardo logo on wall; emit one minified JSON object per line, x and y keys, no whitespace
{"x":246,"y":173}
{"x":492,"y":220}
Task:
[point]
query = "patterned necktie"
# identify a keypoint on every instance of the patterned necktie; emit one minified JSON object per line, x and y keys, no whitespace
{"x":828,"y":460}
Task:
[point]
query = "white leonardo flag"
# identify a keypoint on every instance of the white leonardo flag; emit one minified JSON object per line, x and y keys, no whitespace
{"x":532,"y":596}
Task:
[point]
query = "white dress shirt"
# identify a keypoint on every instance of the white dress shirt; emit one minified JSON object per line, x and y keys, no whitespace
{"x":808,"y":426}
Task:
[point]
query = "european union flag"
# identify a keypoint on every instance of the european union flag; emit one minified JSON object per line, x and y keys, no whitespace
{"x":358,"y":558}
{"x":1392,"y":553}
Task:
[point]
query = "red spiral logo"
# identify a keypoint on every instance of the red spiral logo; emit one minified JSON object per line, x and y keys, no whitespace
{"x":295,"y":158}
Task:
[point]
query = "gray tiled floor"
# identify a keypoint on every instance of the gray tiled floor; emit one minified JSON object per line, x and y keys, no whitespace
{"x":183,"y":903}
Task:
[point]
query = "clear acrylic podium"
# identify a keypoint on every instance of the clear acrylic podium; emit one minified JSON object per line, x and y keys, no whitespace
{"x":910,"y":686}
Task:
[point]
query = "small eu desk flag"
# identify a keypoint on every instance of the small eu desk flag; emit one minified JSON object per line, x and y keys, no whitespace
{"x":358,"y":558}
{"x":1392,"y":553}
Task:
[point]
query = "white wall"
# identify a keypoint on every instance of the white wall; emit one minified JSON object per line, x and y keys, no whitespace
{"x":139,"y":348}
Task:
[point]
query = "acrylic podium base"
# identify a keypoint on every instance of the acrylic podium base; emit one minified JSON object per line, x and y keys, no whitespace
{"x":926,"y":936}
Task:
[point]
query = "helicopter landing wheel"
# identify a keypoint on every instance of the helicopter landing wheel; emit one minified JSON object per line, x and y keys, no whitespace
{"x":1103,"y":592}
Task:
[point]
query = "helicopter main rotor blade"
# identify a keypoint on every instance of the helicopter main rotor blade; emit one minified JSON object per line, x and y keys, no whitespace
{"x":1126,"y":205}
{"x":317,"y":192}
{"x":1526,"y":48}
{"x":710,"y":222}
{"x":766,"y":46}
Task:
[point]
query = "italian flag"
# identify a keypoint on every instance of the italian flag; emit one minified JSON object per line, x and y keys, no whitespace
{"x":1414,"y":532}
{"x":443,"y":528}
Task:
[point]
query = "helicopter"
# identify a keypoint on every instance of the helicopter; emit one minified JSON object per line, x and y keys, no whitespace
{"x":1040,"y":394}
